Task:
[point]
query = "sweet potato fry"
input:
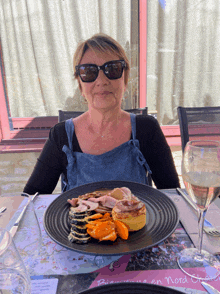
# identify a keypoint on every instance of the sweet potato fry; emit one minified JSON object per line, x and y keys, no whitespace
{"x":110,"y":237}
{"x":90,"y":226}
{"x":121,"y":229}
{"x":94,"y":216}
{"x":105,"y":228}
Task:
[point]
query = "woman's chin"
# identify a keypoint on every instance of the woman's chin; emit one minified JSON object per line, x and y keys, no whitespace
{"x":104,"y":105}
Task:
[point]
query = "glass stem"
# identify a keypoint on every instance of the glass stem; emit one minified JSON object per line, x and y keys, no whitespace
{"x":201,"y":219}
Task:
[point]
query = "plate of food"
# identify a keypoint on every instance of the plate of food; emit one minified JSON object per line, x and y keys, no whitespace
{"x":121,"y":217}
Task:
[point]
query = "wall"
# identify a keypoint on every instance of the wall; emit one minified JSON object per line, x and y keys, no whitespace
{"x":15,"y":169}
{"x":177,"y":156}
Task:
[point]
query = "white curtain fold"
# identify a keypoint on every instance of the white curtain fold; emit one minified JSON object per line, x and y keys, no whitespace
{"x":183,"y":48}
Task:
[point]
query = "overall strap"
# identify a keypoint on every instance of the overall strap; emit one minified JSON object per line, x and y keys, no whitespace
{"x":133,"y":125}
{"x":140,"y":157}
{"x":69,"y":127}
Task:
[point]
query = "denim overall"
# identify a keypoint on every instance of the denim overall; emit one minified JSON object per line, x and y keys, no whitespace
{"x":125,"y":162}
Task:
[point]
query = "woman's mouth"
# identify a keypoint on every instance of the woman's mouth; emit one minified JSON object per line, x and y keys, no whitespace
{"x":104,"y":93}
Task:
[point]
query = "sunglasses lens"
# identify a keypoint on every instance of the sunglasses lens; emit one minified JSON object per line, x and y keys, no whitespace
{"x":113,"y":70}
{"x":88,"y":73}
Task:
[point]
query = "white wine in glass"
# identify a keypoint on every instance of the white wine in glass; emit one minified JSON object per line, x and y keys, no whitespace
{"x":201,"y":177}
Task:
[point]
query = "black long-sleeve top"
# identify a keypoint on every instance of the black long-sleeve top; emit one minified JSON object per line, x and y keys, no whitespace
{"x":52,"y":161}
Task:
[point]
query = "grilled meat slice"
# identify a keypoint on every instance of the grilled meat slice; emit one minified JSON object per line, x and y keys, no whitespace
{"x":88,"y":195}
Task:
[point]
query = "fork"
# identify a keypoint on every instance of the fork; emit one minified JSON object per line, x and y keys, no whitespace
{"x":208,"y":227}
{"x":32,"y":197}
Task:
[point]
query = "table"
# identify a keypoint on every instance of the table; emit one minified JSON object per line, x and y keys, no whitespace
{"x":12,"y":204}
{"x":72,"y":272}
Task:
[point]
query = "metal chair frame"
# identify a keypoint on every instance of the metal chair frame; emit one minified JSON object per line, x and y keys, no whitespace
{"x":198,"y":123}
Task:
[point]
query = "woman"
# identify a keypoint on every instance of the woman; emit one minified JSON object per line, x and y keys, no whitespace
{"x":104,"y":143}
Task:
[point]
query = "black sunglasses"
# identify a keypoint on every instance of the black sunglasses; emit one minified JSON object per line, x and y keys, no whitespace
{"x":89,"y":72}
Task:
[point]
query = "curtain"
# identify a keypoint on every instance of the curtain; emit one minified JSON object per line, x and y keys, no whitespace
{"x":183,"y":56}
{"x":39,"y":38}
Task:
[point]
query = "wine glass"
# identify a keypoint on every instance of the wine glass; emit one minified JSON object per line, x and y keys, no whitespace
{"x":13,"y":275}
{"x":201,"y":177}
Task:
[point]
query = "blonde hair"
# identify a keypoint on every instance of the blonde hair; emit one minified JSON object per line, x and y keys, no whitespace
{"x":102,"y":43}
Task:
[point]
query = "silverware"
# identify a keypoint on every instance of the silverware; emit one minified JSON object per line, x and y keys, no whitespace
{"x":27,"y":195}
{"x":180,"y":192}
{"x":14,"y":229}
{"x":2,"y":209}
{"x":208,"y":227}
{"x":210,"y":289}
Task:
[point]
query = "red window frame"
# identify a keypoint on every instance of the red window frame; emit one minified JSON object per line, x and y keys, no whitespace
{"x":143,"y":52}
{"x":172,"y":133}
{"x":30,"y":133}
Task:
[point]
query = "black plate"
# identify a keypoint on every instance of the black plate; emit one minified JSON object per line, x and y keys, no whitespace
{"x":162,"y":219}
{"x":130,"y":288}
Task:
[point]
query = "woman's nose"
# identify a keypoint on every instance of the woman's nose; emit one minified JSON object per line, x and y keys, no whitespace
{"x":102,"y":78}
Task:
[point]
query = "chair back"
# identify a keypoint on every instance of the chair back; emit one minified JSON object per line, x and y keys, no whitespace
{"x":64,"y":115}
{"x":197,"y":123}
{"x":142,"y":111}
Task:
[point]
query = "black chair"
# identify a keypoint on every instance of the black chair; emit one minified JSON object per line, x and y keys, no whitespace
{"x":198,"y":123}
{"x":142,"y":111}
{"x":64,"y":115}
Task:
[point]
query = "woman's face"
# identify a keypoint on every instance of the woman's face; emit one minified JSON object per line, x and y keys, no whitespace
{"x":102,"y":93}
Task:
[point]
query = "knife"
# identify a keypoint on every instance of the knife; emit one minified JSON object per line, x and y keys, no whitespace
{"x":210,"y":289}
{"x":186,"y":198}
{"x":3,"y":209}
{"x":14,"y":229}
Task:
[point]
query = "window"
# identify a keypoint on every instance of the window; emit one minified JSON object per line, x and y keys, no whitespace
{"x":38,"y":40}
{"x":174,"y":58}
{"x":183,"y":50}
